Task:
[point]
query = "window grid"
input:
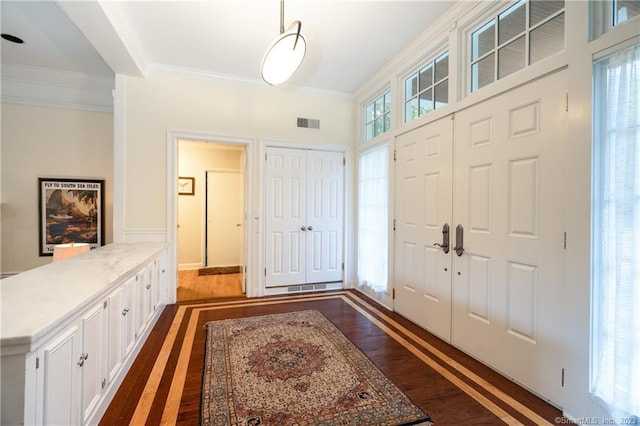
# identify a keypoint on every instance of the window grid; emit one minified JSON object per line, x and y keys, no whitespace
{"x":378,"y":116}
{"x":491,"y":57}
{"x":424,"y":93}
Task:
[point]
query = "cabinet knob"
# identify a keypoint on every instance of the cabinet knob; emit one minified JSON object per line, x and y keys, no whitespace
{"x":125,"y":311}
{"x":148,"y":286}
{"x":82,"y":359}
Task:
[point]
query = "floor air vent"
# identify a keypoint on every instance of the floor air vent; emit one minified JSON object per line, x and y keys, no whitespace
{"x":308,"y":123}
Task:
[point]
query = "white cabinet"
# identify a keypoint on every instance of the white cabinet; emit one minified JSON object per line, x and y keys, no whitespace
{"x":58,"y":398}
{"x":116,"y":314}
{"x":90,"y":361}
{"x":129,"y":315}
{"x":69,"y":374}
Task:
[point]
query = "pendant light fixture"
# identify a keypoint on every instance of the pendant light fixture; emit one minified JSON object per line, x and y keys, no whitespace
{"x":285,"y":54}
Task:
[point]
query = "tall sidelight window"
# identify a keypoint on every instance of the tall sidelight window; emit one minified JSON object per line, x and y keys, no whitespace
{"x":373,"y":218}
{"x":377,"y":117}
{"x":523,"y":34}
{"x":427,"y":89}
{"x":615,"y":375}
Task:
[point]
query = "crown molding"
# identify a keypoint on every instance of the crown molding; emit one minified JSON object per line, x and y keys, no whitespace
{"x":155,"y":68}
{"x":28,"y":85}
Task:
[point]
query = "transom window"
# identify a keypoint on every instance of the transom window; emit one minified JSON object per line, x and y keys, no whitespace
{"x":377,"y":116}
{"x":523,"y":34}
{"x":427,"y":89}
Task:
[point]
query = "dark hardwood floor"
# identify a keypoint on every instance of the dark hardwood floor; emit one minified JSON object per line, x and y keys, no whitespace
{"x":163,"y":385}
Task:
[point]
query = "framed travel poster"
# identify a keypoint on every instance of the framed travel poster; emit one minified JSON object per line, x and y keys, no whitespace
{"x":70,"y":211}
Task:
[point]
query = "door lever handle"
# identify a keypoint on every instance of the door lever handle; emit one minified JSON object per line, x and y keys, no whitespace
{"x":459,"y":248}
{"x":445,"y":239}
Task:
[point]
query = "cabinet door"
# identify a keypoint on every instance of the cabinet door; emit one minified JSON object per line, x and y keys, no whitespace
{"x":58,"y":395}
{"x":115,"y":332}
{"x":91,"y":359}
{"x":129,"y":313}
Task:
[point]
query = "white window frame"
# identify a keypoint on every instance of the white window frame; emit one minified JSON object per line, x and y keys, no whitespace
{"x":416,"y":73}
{"x":493,"y":15}
{"x":386,"y":114}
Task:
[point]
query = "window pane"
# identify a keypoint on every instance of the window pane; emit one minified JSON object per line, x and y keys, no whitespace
{"x":373,"y":219}
{"x":387,"y":102}
{"x":547,"y":39}
{"x":426,"y":77}
{"x":442,"y":93}
{"x":378,"y":107}
{"x":410,"y":110}
{"x":542,"y":9}
{"x":511,"y":58}
{"x":387,"y":122}
{"x":511,"y":22}
{"x":378,"y":126}
{"x":368,"y":115}
{"x":483,"y":40}
{"x":442,"y":67}
{"x":626,"y":10}
{"x":368,"y":131}
{"x":411,"y":87}
{"x":426,"y":101}
{"x":482,"y":73}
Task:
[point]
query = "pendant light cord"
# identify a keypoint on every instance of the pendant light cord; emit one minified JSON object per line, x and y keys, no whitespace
{"x":281,"y":16}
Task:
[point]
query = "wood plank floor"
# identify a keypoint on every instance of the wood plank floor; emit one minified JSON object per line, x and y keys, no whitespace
{"x":192,"y":286}
{"x":163,"y":386}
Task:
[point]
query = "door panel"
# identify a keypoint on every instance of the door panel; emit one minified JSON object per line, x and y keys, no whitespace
{"x":325,"y":205}
{"x":423,"y":191}
{"x":506,"y":286}
{"x":225,"y":216}
{"x":286,"y":216}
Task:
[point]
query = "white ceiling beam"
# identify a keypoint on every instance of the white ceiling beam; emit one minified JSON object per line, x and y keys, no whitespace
{"x":103,"y":26}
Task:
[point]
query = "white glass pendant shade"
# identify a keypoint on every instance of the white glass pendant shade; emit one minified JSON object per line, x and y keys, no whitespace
{"x":284,"y":56}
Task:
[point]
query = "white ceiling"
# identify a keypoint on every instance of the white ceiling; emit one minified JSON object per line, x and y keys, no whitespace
{"x":348,"y":41}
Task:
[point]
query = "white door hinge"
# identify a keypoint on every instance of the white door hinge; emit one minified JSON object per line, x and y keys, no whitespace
{"x":565,"y":241}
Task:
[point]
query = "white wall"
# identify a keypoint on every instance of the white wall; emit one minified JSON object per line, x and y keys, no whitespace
{"x":160,"y":103}
{"x":47,"y":142}
{"x":194,"y":159}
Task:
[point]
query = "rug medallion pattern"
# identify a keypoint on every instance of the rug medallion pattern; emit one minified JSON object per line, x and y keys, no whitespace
{"x":295,"y":369}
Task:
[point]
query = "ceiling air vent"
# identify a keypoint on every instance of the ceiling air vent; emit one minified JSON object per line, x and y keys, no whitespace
{"x":308,"y":123}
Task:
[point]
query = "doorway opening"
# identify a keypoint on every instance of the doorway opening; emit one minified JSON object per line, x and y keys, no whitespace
{"x":211,"y":249}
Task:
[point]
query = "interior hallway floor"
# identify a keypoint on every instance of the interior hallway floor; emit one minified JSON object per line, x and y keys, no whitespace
{"x":192,"y":286}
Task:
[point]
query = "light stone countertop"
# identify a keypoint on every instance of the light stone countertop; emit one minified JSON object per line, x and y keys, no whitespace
{"x":35,"y":302}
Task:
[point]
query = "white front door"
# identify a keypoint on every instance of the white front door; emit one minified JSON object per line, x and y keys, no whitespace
{"x":225,"y":217}
{"x":304,"y":216}
{"x":496,"y":172}
{"x":423,"y":191}
{"x":510,"y":162}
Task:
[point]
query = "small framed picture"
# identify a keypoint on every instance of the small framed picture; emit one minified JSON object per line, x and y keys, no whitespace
{"x":71,"y":210}
{"x":186,"y":186}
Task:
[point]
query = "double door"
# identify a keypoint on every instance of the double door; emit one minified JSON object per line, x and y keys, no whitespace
{"x":304,"y":216}
{"x":492,"y":177}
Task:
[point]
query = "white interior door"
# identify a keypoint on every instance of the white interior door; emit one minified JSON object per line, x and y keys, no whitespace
{"x":304,"y":216}
{"x":509,"y":162}
{"x":325,"y":207}
{"x":423,"y":203}
{"x":225,"y":218}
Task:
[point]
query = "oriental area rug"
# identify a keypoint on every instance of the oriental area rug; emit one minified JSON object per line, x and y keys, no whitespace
{"x":295,"y":368}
